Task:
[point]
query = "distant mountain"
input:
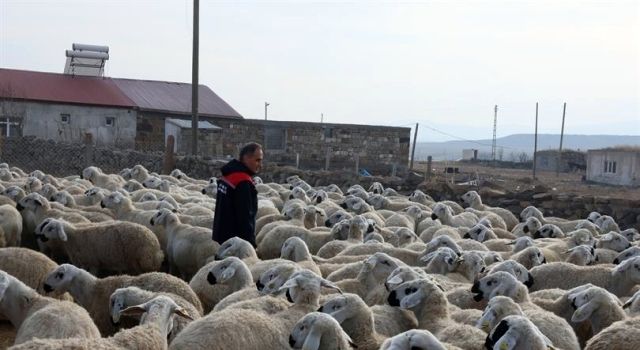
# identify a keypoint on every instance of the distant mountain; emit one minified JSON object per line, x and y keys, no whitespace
{"x":513,"y":145}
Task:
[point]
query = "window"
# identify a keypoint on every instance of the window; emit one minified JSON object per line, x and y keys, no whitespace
{"x":65,"y":118}
{"x":110,"y":121}
{"x":275,"y":138}
{"x":610,"y":167}
{"x":10,"y":127}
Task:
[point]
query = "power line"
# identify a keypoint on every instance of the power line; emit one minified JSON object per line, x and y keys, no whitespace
{"x":464,"y":139}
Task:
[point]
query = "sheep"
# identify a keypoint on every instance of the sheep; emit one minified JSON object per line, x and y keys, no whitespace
{"x":355,"y":317}
{"x":318,"y":331}
{"x":556,"y":329}
{"x":604,"y":256}
{"x":29,"y":266}
{"x":473,"y":200}
{"x":631,"y":234}
{"x":232,"y":274}
{"x":188,"y":247}
{"x":530,"y":257}
{"x":36,"y":316}
{"x":517,"y":332}
{"x":607,"y":224}
{"x":369,"y":283}
{"x":10,"y":225}
{"x":429,"y":304}
{"x":100,"y":179}
{"x":296,"y":250}
{"x":123,"y":298}
{"x":597,"y":306}
{"x":421,"y":197}
{"x":581,"y":255}
{"x":415,"y":339}
{"x":548,"y":231}
{"x":259,"y":330}
{"x":480,"y":233}
{"x":356,"y":204}
{"x":516,"y":269}
{"x":358,"y":227}
{"x":117,"y":246}
{"x":492,"y":219}
{"x":627,"y":254}
{"x":443,"y":213}
{"x":613,"y":241}
{"x":618,"y":280}
{"x":156,"y":323}
{"x":564,"y":225}
{"x":93,"y":294}
{"x":621,"y":335}
{"x":632,"y":306}
{"x":380,"y":202}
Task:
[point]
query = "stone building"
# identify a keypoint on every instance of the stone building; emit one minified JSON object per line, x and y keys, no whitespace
{"x":570,"y":161}
{"x":141,"y":114}
{"x":614,"y":166}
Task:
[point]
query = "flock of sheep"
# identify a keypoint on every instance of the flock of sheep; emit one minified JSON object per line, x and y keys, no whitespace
{"x":126,"y":261}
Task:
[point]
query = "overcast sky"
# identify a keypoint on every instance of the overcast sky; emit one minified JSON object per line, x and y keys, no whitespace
{"x":443,"y":64}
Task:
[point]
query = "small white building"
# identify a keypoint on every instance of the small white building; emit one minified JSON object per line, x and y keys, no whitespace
{"x":469,"y":154}
{"x":614,"y":166}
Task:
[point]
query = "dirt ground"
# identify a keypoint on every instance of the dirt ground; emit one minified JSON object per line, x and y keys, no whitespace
{"x":520,"y":179}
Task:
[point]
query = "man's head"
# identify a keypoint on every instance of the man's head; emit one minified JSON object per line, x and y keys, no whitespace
{"x":251,"y":156}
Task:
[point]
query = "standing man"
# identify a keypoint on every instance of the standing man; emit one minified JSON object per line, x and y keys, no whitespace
{"x":237,"y":198}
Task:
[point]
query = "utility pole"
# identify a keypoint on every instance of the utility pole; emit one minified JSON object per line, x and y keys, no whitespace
{"x":413,"y":151}
{"x":321,"y":118}
{"x":559,"y":158}
{"x":535,"y":144}
{"x":194,"y":77}
{"x":493,"y":145}
{"x":266,"y":104}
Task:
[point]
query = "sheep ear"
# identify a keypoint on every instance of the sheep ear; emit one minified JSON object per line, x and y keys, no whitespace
{"x":395,"y":280}
{"x":183,"y":313}
{"x":606,"y":238}
{"x":330,"y":285}
{"x":428,"y":257}
{"x":507,"y":342}
{"x":411,"y":301}
{"x":312,"y":342}
{"x":38,"y":201}
{"x":500,"y":290}
{"x":289,"y":284}
{"x":357,"y":205}
{"x":227,"y":274}
{"x":116,"y":199}
{"x":135,"y":310}
{"x":583,"y":313}
{"x":4,"y":285}
{"x":62,"y":235}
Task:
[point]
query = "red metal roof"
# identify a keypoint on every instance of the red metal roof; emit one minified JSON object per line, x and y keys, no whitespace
{"x":158,"y":96}
{"x":52,"y":87}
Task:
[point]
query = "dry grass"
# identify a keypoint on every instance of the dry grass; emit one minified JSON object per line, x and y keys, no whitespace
{"x":521,"y":179}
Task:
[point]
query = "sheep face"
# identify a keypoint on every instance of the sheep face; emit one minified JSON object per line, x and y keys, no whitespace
{"x":442,"y":261}
{"x":177,"y":173}
{"x":298,"y":193}
{"x":470,"y":198}
{"x":613,"y":241}
{"x":210,"y":189}
{"x":32,"y":202}
{"x":548,"y":231}
{"x":376,"y":188}
{"x":531,"y":257}
{"x":516,"y":269}
{"x":497,"y":308}
{"x":631,"y":234}
{"x":61,"y":197}
{"x":414,"y":211}
{"x":294,"y":212}
{"x":582,"y":253}
{"x":478,"y":233}
{"x":32,"y":185}
{"x":304,"y":287}
{"x":125,"y":173}
{"x":629,"y":268}
{"x":413,"y":339}
{"x":531,"y":225}
{"x":294,"y":249}
{"x":516,"y":332}
{"x":336,"y":217}
{"x":593,"y":216}
{"x":379,"y":266}
{"x":411,"y":295}
{"x":234,"y":246}
{"x":405,"y":237}
{"x":473,"y":262}
{"x":403,"y":274}
{"x":633,"y":305}
{"x":159,"y":310}
{"x":627,"y":254}
{"x":309,"y":331}
{"x":389,"y":192}
{"x":152,"y":182}
{"x":60,"y":278}
{"x":440,"y":210}
{"x":494,"y":284}
{"x":529,"y":212}
{"x":117,"y":303}
{"x":442,"y":241}
{"x":377,"y":201}
{"x":359,"y":226}
{"x":319,"y":197}
{"x":343,"y":307}
{"x":113,"y":201}
{"x":13,"y":192}
{"x":51,"y":229}
{"x":223,"y":271}
{"x":90,"y":173}
{"x":341,"y":230}
{"x":271,"y":280}
{"x":588,"y":301}
{"x":355,"y":204}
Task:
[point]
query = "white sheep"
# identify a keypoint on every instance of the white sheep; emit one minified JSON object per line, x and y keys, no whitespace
{"x":93,"y":294}
{"x":188,"y":247}
{"x":27,"y":265}
{"x":613,"y":241}
{"x":123,"y":298}
{"x":627,"y":254}
{"x":473,"y":199}
{"x":36,"y":316}
{"x":318,"y":331}
{"x":621,"y":335}
{"x":415,"y":339}
{"x":10,"y":226}
{"x":517,"y":332}
{"x":100,"y":179}
{"x":156,"y":322}
{"x":597,"y":306}
{"x":443,"y":213}
{"x":116,"y":246}
{"x":618,"y":280}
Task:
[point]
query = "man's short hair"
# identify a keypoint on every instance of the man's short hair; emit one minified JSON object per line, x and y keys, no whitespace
{"x":249,"y":148}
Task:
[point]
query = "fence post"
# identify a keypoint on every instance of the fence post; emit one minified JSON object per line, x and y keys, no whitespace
{"x":326,"y":160}
{"x":169,"y":162}
{"x":393,"y":169}
{"x":88,"y":149}
{"x":429,"y":167}
{"x":357,"y":156}
{"x":297,"y":160}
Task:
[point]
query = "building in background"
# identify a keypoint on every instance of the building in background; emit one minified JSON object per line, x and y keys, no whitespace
{"x":469,"y":154}
{"x":614,"y":166}
{"x":570,"y":161}
{"x":141,"y":114}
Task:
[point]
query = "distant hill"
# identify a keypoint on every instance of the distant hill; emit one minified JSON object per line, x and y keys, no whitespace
{"x":513,"y":145}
